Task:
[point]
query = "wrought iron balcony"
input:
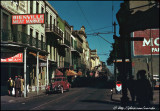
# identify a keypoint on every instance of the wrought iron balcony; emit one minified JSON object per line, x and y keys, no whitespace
{"x":21,"y":38}
{"x":54,"y":29}
{"x":79,"y":49}
{"x":66,"y":42}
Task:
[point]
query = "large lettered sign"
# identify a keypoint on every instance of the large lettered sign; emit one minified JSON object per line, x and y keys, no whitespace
{"x":18,"y":58}
{"x":28,"y":19}
{"x":150,"y":44}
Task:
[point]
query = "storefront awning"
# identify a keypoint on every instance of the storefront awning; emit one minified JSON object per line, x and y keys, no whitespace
{"x":58,"y":73}
{"x":71,"y":73}
{"x":79,"y":73}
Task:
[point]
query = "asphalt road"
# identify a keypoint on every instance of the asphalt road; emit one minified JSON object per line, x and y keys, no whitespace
{"x":75,"y":99}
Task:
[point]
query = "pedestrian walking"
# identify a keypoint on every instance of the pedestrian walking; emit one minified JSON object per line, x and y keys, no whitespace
{"x":22,"y":89}
{"x":144,"y":91}
{"x":10,"y":86}
{"x":17,"y":86}
{"x":131,"y":88}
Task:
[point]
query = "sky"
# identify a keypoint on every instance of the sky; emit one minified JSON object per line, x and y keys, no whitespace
{"x":95,"y":16}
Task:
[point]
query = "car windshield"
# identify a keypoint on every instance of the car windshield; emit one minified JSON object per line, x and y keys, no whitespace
{"x":56,"y":79}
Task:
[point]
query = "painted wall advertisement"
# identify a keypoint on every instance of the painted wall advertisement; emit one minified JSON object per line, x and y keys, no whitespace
{"x":149,"y":45}
{"x":18,"y":58}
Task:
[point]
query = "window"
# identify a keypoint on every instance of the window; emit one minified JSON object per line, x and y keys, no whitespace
{"x":37,"y":7}
{"x":50,"y":21}
{"x":50,"y":52}
{"x":5,"y":21}
{"x":36,"y":35}
{"x":31,"y":7}
{"x":31,"y":32}
{"x":42,"y":38}
{"x":47,"y":18}
{"x":42,"y":10}
{"x":54,"y":22}
{"x":24,"y":28}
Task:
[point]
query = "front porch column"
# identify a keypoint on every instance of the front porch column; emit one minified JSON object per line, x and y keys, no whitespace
{"x":37,"y":75}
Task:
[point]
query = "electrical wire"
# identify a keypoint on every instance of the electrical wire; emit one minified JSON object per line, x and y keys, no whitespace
{"x":100,"y":28}
{"x":89,"y":23}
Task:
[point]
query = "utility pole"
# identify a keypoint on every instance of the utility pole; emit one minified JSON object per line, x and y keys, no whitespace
{"x":115,"y":52}
{"x":124,"y":99}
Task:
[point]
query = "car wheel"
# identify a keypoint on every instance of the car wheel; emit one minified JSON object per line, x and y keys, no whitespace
{"x":67,"y":90}
{"x":62,"y":90}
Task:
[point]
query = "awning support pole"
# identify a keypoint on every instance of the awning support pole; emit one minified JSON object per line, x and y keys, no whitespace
{"x":25,"y":91}
{"x":37,"y":73}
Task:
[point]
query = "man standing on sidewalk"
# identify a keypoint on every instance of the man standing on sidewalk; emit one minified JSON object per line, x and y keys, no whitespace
{"x":131,"y":88}
{"x":18,"y":86}
{"x":10,"y":86}
{"x":143,"y":89}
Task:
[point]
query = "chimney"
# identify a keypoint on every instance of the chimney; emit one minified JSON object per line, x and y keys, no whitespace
{"x":71,"y":28}
{"x":83,"y":29}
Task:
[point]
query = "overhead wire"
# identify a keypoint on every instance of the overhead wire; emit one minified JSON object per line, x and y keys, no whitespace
{"x":89,"y":23}
{"x":91,"y":26}
{"x":100,"y":28}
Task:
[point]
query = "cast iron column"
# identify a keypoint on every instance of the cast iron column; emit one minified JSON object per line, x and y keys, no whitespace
{"x":124,"y":99}
{"x":37,"y":73}
{"x":25,"y":91}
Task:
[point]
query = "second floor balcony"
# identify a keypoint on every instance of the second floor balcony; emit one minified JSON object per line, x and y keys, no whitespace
{"x":52,"y":29}
{"x":8,"y":36}
{"x":66,"y":43}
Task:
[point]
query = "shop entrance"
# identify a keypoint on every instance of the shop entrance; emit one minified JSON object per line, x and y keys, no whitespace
{"x":9,"y":70}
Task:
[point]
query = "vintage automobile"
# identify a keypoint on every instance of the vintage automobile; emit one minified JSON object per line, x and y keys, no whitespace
{"x":58,"y":84}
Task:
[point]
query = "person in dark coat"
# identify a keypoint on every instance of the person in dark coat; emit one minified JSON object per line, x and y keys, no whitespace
{"x":131,"y":87}
{"x":18,"y":87}
{"x":144,"y":91}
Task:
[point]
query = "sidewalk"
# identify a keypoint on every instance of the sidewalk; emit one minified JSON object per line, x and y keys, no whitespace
{"x":117,"y":97}
{"x":12,"y":99}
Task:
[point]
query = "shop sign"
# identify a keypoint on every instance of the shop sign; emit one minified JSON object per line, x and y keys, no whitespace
{"x":17,"y":58}
{"x":43,"y":64}
{"x":149,"y":45}
{"x":28,"y":19}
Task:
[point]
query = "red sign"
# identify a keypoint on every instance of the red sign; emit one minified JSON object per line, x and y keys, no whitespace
{"x":28,"y":19}
{"x":150,"y":42}
{"x":16,"y":58}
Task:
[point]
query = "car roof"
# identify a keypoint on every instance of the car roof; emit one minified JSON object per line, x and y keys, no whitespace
{"x":58,"y":77}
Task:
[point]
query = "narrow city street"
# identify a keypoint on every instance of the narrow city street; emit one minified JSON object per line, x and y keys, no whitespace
{"x":75,"y":99}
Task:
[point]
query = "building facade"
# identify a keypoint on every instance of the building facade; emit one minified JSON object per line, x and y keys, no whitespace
{"x":141,"y":19}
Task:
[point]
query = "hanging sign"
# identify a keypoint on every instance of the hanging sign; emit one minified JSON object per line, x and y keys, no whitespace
{"x":17,"y":58}
{"x":28,"y":19}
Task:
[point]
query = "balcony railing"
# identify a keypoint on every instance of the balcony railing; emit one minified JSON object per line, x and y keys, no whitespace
{"x":53,"y":28}
{"x":79,"y":49}
{"x":66,"y":42}
{"x":21,"y":38}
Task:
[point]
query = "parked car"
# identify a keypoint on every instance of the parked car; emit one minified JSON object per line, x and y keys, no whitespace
{"x":58,"y":84}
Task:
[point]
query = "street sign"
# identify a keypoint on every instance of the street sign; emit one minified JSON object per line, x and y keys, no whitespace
{"x":28,"y":19}
{"x":118,"y":86}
